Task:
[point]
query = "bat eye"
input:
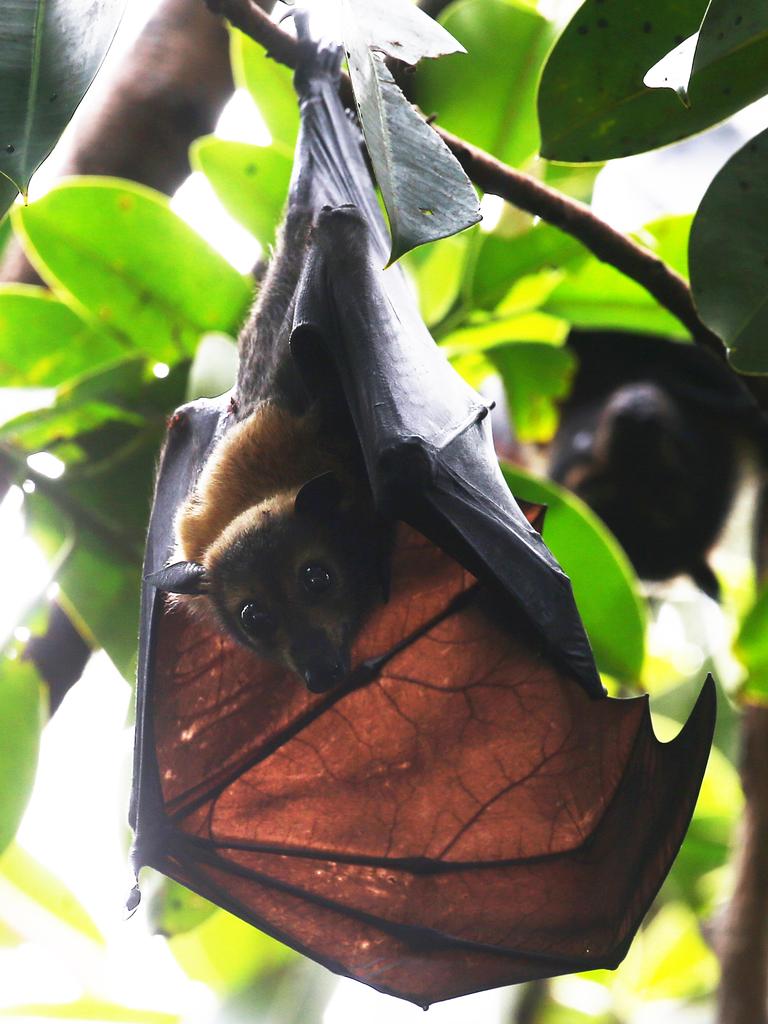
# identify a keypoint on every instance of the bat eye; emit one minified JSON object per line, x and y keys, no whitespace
{"x":315,"y":577}
{"x":255,"y":622}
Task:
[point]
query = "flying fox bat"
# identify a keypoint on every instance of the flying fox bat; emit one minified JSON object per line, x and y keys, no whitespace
{"x":435,"y":810}
{"x":650,"y":437}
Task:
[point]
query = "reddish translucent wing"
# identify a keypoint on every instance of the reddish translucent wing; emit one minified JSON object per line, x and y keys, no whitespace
{"x":461,"y":815}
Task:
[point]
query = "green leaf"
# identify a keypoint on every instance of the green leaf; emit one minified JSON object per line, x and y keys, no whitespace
{"x":707,"y":843}
{"x":16,"y":401}
{"x":593,"y":104}
{"x":21,"y":713}
{"x":48,"y":63}
{"x":251,"y":181}
{"x":399,"y":29}
{"x":9,"y":937}
{"x":43,"y":342}
{"x":529,"y":292}
{"x":426,"y":192}
{"x":598,"y":295}
{"x":106,"y":614}
{"x":555,"y":1013}
{"x":474,"y":367}
{"x":604,"y":583}
{"x":128,"y":383}
{"x":506,"y":44}
{"x":751,"y":648}
{"x":99,"y":507}
{"x":125,"y":392}
{"x":732,"y":36}
{"x":8,"y":193}
{"x":503,"y":260}
{"x":118,"y":252}
{"x":214,"y":368}
{"x":173,"y":909}
{"x":534,"y":375}
{"x":668,"y":237}
{"x":672,"y":961}
{"x":438,"y":270}
{"x":576,"y":180}
{"x":21,"y":871}
{"x":227,"y":953}
{"x":752,"y":639}
{"x":271,"y":86}
{"x":90,"y":1008}
{"x":729,"y":265}
{"x":482,"y":337}
{"x":43,"y":428}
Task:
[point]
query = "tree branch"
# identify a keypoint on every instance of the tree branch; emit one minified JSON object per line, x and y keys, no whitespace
{"x":668,"y":287}
{"x":743,"y":936}
{"x":741,"y":939}
{"x":522,"y":190}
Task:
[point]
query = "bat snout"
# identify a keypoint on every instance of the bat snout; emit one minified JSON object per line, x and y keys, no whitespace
{"x":322,"y":678}
{"x":319,"y":662}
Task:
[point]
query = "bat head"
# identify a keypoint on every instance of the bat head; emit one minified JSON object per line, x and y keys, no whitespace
{"x":293,"y":577}
{"x":641,"y":426}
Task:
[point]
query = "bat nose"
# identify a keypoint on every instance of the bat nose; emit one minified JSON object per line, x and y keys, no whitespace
{"x":321,"y":678}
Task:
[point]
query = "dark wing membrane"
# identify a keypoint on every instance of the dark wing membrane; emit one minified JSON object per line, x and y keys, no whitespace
{"x":441,"y":824}
{"x":422,"y":429}
{"x":192,"y":432}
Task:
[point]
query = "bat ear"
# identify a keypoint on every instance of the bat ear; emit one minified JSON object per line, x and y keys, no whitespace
{"x":320,"y":497}
{"x":533,"y":512}
{"x":706,"y":580}
{"x":180,"y":578}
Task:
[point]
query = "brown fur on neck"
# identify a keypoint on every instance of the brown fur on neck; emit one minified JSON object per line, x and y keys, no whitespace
{"x":271,"y":452}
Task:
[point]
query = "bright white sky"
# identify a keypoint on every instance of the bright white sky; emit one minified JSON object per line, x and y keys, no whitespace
{"x":81,"y":792}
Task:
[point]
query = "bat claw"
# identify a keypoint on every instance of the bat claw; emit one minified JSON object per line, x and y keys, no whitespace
{"x":132,"y":902}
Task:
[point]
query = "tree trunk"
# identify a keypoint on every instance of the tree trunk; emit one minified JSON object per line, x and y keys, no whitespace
{"x":743,"y":938}
{"x":138,"y":124}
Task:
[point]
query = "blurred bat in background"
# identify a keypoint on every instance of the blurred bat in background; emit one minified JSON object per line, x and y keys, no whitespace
{"x":650,"y":438}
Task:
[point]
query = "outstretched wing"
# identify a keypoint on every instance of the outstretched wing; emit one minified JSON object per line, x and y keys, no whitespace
{"x":442,"y":821}
{"x":438,"y":825}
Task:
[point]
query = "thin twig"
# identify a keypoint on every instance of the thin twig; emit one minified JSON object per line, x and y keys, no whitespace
{"x":522,"y":190}
{"x":250,"y":19}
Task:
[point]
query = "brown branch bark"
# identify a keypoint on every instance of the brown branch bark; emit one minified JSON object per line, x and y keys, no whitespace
{"x":743,"y":936}
{"x":522,"y":190}
{"x":668,"y":287}
{"x":168,"y":90}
